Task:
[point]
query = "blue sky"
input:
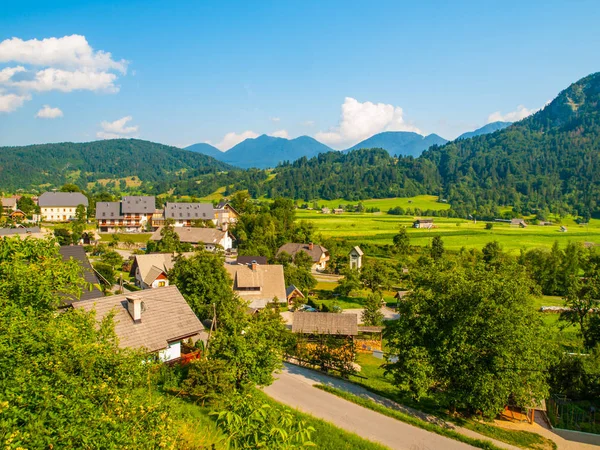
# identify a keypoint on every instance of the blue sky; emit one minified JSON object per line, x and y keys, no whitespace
{"x":186,"y":72}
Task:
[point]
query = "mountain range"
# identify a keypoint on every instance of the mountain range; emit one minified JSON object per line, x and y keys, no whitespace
{"x":486,"y":129}
{"x":268,"y":151}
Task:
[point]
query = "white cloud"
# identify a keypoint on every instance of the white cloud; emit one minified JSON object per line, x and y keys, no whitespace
{"x":359,"y":121}
{"x":280,"y":134}
{"x":117,"y":129}
{"x":61,"y":80}
{"x":70,"y":52}
{"x":275,"y":119}
{"x":514,"y":116}
{"x":232,"y":139}
{"x":48,"y":112}
{"x":11,"y":102}
{"x":63,"y":64}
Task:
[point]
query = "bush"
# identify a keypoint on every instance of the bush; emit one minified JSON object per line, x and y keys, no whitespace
{"x":208,"y":379}
{"x":489,"y":226}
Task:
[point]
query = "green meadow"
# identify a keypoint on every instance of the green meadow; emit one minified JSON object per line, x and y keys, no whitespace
{"x":380,"y":228}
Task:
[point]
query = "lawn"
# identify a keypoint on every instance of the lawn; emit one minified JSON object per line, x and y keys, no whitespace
{"x":135,"y":237}
{"x":422,"y":202}
{"x":380,"y":228}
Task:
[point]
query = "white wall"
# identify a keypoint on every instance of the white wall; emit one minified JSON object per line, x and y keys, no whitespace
{"x":156,"y":283}
{"x":57,"y":213}
{"x":173,"y":351}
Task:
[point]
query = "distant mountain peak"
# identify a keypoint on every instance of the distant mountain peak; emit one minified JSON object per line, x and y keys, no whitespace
{"x":400,"y":143}
{"x":486,"y":129}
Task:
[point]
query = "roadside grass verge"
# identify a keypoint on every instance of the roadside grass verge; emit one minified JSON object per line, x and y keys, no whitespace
{"x":370,"y":404}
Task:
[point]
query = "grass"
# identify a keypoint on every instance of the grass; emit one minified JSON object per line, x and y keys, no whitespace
{"x":370,"y":404}
{"x":373,"y":378}
{"x":422,"y":202}
{"x":380,"y":228}
{"x":135,"y":237}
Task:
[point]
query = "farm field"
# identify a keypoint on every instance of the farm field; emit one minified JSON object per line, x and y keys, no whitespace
{"x":380,"y":228}
{"x":423,"y":202}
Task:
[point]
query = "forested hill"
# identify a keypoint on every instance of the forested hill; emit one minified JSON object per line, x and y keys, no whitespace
{"x":548,"y":160}
{"x":355,"y":175}
{"x":52,"y":165}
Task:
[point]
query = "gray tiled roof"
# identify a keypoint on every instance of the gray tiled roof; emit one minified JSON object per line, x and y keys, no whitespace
{"x":108,"y":210}
{"x":189,"y":211}
{"x":62,"y":199}
{"x":292,"y":248}
{"x":325,"y":323}
{"x":166,"y":317}
{"x":78,"y":254}
{"x":138,"y":204}
{"x":15,"y":231}
{"x":262,"y":260}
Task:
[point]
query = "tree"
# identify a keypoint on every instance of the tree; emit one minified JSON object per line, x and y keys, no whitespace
{"x":376,"y":276}
{"x":112,"y":258}
{"x":402,"y":241}
{"x":583,"y":301}
{"x":70,"y":187}
{"x":372,"y":315}
{"x":472,"y":335}
{"x":350,"y":282}
{"x":63,"y":236}
{"x":107,"y":274}
{"x":437,"y":248}
{"x":492,"y":252}
{"x":80,"y":214}
{"x":27,"y":205}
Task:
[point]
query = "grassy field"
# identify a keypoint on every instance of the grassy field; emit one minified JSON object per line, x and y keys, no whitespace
{"x":421,"y":201}
{"x":135,"y":237}
{"x":380,"y":228}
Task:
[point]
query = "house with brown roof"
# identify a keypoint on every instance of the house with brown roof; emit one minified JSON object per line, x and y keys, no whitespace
{"x":518,"y":223}
{"x":318,"y":253}
{"x":262,"y":260}
{"x":156,"y":320}
{"x":210,"y":238}
{"x":257,"y":284}
{"x":226,"y":215}
{"x":150,"y":271}
{"x":355,"y":258}
{"x":315,"y":323}
{"x":292,"y":293}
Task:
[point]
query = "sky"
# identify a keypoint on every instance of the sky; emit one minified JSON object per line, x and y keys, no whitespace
{"x":183,"y":72}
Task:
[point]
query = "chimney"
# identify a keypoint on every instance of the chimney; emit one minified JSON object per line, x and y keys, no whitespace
{"x":311,"y":245}
{"x":134,"y":306}
{"x":253,"y":265}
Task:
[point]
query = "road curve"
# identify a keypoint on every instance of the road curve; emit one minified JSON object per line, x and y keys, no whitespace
{"x":294,"y":389}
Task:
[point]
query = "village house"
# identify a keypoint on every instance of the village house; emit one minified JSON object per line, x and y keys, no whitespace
{"x":156,"y":320}
{"x":132,"y":214}
{"x":256,"y":284}
{"x":9,"y":204}
{"x":325,"y":210}
{"x":210,"y":238}
{"x":184,"y":214}
{"x":150,"y":271}
{"x":317,"y":323}
{"x":355,"y":257}
{"x":292,"y":293}
{"x":338,"y":211}
{"x":17,"y":215}
{"x":318,"y":253}
{"x":423,"y":223}
{"x":90,"y":291}
{"x":60,"y":206}
{"x":226,"y":215}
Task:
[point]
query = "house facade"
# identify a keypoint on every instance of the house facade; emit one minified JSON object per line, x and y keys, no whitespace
{"x":318,"y":253}
{"x":60,"y":206}
{"x":185,"y":214}
{"x":9,"y":205}
{"x":156,"y":320}
{"x":132,"y":214}
{"x":225,"y":215}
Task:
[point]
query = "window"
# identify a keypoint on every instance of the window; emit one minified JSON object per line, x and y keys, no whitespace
{"x":162,"y":283}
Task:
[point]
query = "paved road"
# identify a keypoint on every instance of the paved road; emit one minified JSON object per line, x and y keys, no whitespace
{"x":294,"y":388}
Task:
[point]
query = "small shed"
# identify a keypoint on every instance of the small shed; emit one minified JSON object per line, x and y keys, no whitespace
{"x":325,"y":210}
{"x":563,"y":229}
{"x":355,"y":256}
{"x":400,"y":295}
{"x":317,"y":323}
{"x":518,"y":223}
{"x":291,"y":293}
{"x":338,"y":211}
{"x":423,"y":223}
